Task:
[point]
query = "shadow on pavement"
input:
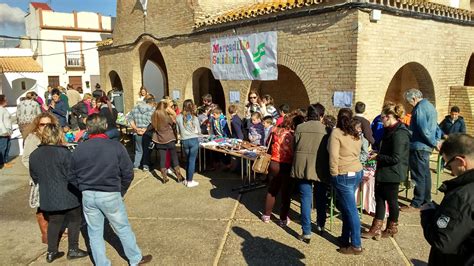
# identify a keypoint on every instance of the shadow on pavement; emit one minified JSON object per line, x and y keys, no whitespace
{"x":109,"y":236}
{"x":418,"y":262}
{"x":256,"y":250}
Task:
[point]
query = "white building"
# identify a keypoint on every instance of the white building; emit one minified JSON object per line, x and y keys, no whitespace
{"x":72,"y":58}
{"x":19,"y":73}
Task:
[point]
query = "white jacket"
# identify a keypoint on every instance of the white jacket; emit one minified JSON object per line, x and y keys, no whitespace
{"x":6,"y":128}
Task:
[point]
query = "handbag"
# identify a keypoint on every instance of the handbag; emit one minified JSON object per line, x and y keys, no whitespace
{"x":262,"y":162}
{"x":34,"y":200}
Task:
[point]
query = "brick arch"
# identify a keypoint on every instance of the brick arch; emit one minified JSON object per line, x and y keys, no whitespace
{"x":302,"y":79}
{"x":147,"y":49}
{"x":469,"y":71}
{"x":202,"y":82}
{"x":410,"y":75}
{"x":392,"y":68}
{"x":115,"y":80}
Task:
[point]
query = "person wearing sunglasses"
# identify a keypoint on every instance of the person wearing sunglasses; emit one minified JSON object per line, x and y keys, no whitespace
{"x":31,"y":143}
{"x":449,"y":226}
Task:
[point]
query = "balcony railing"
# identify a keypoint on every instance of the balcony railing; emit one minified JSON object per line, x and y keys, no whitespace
{"x":75,"y":62}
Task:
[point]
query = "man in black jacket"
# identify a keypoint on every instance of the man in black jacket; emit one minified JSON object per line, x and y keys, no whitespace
{"x":102,"y":170}
{"x":449,"y":227}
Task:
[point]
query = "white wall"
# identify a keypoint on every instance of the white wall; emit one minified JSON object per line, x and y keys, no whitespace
{"x":13,"y":91}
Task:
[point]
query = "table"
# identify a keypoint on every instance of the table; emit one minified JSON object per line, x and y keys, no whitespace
{"x":248,"y":184}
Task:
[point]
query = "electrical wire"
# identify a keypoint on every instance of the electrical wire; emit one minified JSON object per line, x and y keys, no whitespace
{"x":44,"y":40}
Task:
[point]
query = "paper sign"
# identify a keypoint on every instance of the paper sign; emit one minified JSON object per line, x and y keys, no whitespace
{"x":342,"y":99}
{"x":234,"y":96}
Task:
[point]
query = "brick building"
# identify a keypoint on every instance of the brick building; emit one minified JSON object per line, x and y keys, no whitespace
{"x":323,"y":46}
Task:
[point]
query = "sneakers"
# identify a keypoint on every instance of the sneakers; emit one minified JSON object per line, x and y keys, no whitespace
{"x":169,"y":171}
{"x":285,"y":222}
{"x":146,"y":169}
{"x":265,"y":218}
{"x":191,"y":183}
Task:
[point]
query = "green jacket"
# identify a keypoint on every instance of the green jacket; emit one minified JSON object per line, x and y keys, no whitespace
{"x":392,"y":160}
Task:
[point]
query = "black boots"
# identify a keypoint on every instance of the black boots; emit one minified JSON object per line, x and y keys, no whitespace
{"x":75,"y":253}
{"x":51,"y":256}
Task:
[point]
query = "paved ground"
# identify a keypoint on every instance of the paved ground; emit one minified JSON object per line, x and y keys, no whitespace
{"x":205,"y":225}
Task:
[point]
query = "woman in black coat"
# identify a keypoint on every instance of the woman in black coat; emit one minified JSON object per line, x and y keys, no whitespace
{"x":392,"y":168}
{"x":49,"y":167}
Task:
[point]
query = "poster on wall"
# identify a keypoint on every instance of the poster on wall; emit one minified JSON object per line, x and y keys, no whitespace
{"x":245,"y":57}
{"x":342,"y":99}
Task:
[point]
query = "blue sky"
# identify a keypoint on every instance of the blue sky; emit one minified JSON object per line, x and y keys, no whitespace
{"x":12,"y":11}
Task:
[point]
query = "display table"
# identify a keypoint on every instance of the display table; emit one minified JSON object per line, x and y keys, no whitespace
{"x":228,"y":148}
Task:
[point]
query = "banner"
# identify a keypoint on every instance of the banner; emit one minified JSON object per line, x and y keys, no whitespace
{"x":245,"y":57}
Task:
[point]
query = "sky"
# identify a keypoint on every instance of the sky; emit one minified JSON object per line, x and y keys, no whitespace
{"x":12,"y":12}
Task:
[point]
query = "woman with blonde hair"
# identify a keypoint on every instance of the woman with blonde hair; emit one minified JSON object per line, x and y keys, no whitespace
{"x":163,"y":120}
{"x":49,"y":168}
{"x":31,"y":142}
{"x":392,"y":168}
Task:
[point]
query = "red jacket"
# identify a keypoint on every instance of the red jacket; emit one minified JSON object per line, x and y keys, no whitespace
{"x":282,"y":145}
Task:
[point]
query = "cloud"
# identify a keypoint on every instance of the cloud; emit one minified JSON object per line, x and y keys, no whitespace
{"x":11,"y":16}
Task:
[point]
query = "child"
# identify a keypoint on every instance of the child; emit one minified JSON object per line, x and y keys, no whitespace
{"x":270,"y":109}
{"x":284,"y":110}
{"x":267,"y":125}
{"x":256,"y":130}
{"x":364,"y":153}
{"x":235,"y":122}
{"x":203,"y":117}
{"x":219,"y":127}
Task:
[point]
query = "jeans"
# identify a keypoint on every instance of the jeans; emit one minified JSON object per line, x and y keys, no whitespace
{"x":345,"y":186}
{"x":55,"y":224}
{"x":321,"y":196}
{"x":98,"y":205}
{"x":113,"y":134}
{"x":421,"y":175}
{"x":386,"y":192}
{"x":191,"y":149}
{"x":306,"y":196}
{"x":4,"y":149}
{"x":138,"y":151}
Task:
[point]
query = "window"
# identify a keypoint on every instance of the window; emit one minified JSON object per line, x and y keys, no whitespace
{"x":53,"y":81}
{"x":73,"y":52}
{"x":23,"y":85}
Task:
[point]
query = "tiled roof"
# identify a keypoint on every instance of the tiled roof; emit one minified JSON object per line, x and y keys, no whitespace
{"x":278,"y":6}
{"x":38,"y":5}
{"x":19,"y":64}
{"x":106,"y":42}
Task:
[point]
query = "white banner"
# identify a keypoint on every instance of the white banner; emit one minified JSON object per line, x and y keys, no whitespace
{"x":245,"y":57}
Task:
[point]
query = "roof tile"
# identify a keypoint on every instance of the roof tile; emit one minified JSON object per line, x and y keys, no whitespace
{"x":19,"y":64}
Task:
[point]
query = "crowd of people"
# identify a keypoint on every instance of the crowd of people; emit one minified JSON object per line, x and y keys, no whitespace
{"x":311,"y":152}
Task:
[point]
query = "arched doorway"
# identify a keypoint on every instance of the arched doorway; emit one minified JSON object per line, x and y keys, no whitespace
{"x":287,"y":89}
{"x":411,"y":75}
{"x":153,"y":69}
{"x":115,"y":81}
{"x":469,"y":79}
{"x":205,"y":83}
